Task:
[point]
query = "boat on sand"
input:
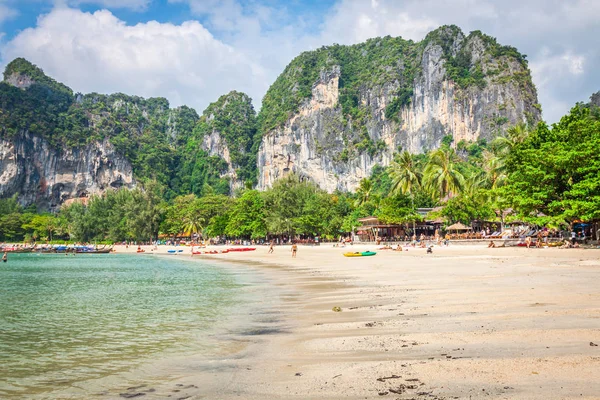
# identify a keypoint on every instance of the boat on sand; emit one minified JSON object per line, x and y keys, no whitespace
{"x":360,"y":254}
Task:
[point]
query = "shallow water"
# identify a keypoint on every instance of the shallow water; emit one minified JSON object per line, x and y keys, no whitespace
{"x":69,"y":322}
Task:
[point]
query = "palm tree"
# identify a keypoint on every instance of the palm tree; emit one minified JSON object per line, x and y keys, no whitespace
{"x":404,"y":174}
{"x":193,"y":223}
{"x":472,"y":185}
{"x":495,"y":170}
{"x":515,"y":134}
{"x":364,"y":192}
{"x":441,"y":174}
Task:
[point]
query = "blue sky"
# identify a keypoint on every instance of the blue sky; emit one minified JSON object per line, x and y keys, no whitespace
{"x":193,"y":51}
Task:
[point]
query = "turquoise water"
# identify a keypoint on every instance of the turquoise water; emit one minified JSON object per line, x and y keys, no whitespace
{"x":68,"y":320}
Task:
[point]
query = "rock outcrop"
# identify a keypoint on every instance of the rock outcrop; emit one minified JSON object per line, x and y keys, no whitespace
{"x":43,"y":175}
{"x":595,"y":99}
{"x":215,"y":145}
{"x":227,"y":129}
{"x":322,"y":141}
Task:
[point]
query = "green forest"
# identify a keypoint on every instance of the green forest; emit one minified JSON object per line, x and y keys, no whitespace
{"x":547,"y":175}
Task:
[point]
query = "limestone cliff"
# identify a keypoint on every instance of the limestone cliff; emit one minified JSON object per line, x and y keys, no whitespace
{"x":226,"y":130}
{"x":56,"y":145}
{"x":42,"y":175}
{"x":341,"y":110}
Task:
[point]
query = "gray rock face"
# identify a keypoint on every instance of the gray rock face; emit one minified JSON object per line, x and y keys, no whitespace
{"x":47,"y":177}
{"x":314,"y":142}
{"x":19,"y":80}
{"x":215,"y":145}
{"x":595,"y":99}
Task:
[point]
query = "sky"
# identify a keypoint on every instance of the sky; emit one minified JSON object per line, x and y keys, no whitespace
{"x":193,"y":51}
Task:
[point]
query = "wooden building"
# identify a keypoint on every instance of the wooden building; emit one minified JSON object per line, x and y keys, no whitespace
{"x":372,"y":228}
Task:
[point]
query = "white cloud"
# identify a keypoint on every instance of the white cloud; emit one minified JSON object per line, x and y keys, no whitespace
{"x":245,"y":45}
{"x":99,"y":52}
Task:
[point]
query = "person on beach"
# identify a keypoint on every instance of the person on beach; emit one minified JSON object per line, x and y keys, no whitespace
{"x":271,"y":246}
{"x":528,"y":241}
{"x":5,"y":257}
{"x":294,"y":250}
{"x":492,"y":244}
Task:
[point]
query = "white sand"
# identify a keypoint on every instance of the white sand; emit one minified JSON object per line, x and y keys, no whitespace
{"x":465,"y":322}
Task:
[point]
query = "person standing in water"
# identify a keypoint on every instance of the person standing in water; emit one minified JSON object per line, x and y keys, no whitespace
{"x":294,"y":250}
{"x":5,"y":257}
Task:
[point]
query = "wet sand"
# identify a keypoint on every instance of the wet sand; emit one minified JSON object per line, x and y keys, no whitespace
{"x":465,"y":322}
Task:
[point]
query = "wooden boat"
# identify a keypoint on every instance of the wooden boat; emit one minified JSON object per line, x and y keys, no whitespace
{"x":14,"y":250}
{"x":45,"y":250}
{"x":102,"y":251}
{"x":92,"y":250}
{"x":360,"y":254}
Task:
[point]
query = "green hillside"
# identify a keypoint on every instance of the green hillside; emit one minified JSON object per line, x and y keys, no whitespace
{"x":160,"y":142}
{"x":385,"y":60}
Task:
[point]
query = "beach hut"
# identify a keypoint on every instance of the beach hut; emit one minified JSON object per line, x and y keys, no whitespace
{"x":372,"y":229}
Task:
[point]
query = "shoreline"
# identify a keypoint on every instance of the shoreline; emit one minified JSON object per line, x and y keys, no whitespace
{"x":464,"y":322}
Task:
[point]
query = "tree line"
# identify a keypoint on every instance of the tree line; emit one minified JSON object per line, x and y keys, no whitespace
{"x":544,"y":175}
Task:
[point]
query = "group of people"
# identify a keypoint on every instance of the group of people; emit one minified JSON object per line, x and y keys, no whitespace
{"x":294,"y":248}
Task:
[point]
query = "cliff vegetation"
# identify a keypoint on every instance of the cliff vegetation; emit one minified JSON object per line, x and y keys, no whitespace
{"x":161,"y":143}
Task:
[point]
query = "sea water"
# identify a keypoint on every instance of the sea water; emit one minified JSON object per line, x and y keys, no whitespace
{"x":70,"y":322}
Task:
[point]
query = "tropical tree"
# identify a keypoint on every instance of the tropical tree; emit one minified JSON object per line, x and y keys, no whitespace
{"x":193,"y":223}
{"x":364,"y":192}
{"x":406,"y":179}
{"x":247,"y":216}
{"x":405,"y":174}
{"x":516,"y":134}
{"x":495,"y":170}
{"x":442,"y":177}
{"x":42,"y":225}
{"x":553,"y":173}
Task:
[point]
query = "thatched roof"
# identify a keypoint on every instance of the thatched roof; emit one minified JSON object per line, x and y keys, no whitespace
{"x":458,"y":227}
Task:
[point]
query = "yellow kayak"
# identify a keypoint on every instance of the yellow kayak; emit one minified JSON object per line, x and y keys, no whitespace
{"x":359,"y":254}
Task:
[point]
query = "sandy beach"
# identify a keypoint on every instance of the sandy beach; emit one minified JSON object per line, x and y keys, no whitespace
{"x":465,"y":322}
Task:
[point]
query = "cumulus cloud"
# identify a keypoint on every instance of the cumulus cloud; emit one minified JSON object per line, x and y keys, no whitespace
{"x":245,"y":45}
{"x":99,"y":52}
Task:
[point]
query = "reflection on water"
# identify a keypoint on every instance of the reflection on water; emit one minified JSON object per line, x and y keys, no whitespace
{"x":65,"y":321}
